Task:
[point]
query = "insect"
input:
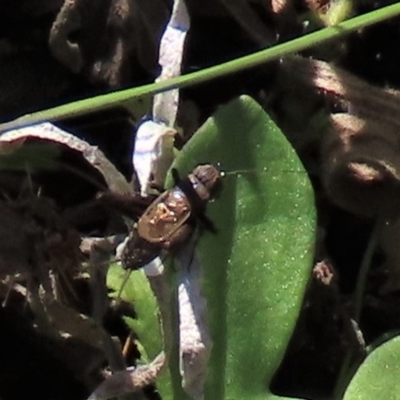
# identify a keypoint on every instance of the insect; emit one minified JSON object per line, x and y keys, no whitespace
{"x":168,"y":220}
{"x":171,"y":218}
{"x":165,"y":222}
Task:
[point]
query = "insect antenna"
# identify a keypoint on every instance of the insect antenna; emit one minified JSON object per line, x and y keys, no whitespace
{"x":264,"y":171}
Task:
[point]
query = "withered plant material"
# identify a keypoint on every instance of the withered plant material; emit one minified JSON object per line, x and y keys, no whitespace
{"x":47,"y":132}
{"x":124,"y":382}
{"x":49,"y":253}
{"x":49,"y":247}
{"x":37,"y":245}
{"x":195,"y":341}
{"x":361,"y":165}
{"x":70,"y":337}
{"x":360,"y":151}
{"x":361,"y":98}
{"x":62,"y":47}
{"x":107,"y":41}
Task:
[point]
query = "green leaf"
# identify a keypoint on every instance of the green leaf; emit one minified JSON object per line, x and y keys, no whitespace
{"x":146,"y":326}
{"x":137,"y":291}
{"x":378,"y":375}
{"x":257,"y":266}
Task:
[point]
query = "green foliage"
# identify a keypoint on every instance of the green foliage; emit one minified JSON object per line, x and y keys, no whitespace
{"x":257,"y":266}
{"x":126,"y":97}
{"x":146,"y":325}
{"x":137,"y":291}
{"x":378,"y":375}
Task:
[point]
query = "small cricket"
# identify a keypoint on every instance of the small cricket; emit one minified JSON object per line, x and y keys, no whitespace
{"x":171,"y":218}
{"x":165,"y":222}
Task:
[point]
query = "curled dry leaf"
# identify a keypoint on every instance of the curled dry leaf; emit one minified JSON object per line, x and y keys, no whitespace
{"x":61,"y":46}
{"x":360,"y":98}
{"x":125,"y":34}
{"x":49,"y":132}
{"x":129,"y":381}
{"x":362,"y":166}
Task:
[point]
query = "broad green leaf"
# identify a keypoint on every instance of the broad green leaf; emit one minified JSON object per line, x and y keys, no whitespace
{"x":257,"y":266}
{"x":378,"y":375}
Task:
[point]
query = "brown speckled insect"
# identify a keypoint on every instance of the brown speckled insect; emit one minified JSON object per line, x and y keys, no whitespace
{"x":170,"y":218}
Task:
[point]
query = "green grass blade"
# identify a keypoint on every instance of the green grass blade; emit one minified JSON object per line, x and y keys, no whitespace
{"x":119,"y":98}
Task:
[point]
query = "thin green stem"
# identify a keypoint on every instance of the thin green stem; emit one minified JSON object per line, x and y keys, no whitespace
{"x":344,"y":376}
{"x":349,"y":363}
{"x":105,"y":101}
